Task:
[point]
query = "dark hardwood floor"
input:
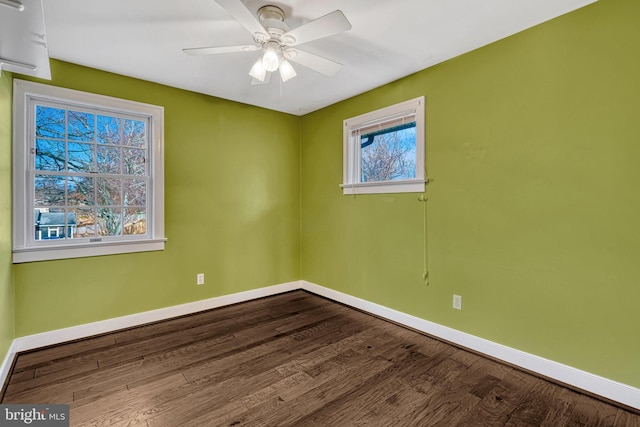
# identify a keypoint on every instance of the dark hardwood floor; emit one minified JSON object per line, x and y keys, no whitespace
{"x":294,"y":359}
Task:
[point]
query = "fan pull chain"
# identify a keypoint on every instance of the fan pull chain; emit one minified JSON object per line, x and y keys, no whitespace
{"x":425,"y":273}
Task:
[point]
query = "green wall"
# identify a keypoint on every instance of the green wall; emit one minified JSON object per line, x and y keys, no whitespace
{"x":232,"y":202}
{"x":532,"y":215}
{"x":7,"y":330}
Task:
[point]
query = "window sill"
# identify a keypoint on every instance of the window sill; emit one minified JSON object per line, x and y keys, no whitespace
{"x":408,"y":186}
{"x":85,"y":250}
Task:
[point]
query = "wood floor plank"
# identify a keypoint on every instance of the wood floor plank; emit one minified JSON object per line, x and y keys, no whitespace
{"x":57,"y":371}
{"x":368,"y":408}
{"x":560,"y":409}
{"x":483,"y":375}
{"x":175,"y":408}
{"x":36,"y":358}
{"x":495,"y":408}
{"x":591,"y":412}
{"x":405,"y":362}
{"x":116,"y":377}
{"x":159,"y":336}
{"x":329,"y":386}
{"x":239,"y":365}
{"x":390,"y":411}
{"x":293,"y":359}
{"x":625,"y":419}
{"x":19,"y":376}
{"x":266,"y":350}
{"x":117,"y":381}
{"x":534,"y":406}
{"x":441,"y":404}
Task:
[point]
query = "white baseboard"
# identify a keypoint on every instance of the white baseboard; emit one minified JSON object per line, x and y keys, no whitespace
{"x":609,"y":389}
{"x":7,"y":363}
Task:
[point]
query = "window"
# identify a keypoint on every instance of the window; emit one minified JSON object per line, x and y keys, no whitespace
{"x":384,"y":150}
{"x":88,"y":174}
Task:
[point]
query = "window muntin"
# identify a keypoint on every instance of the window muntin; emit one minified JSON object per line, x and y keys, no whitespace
{"x":88,"y":172}
{"x":384,"y":150}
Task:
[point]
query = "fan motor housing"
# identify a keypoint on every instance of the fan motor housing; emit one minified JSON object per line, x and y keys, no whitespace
{"x":272,"y":19}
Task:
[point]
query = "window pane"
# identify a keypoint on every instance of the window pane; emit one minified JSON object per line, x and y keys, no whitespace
{"x":389,"y":155}
{"x":135,"y":221}
{"x":109,"y":192}
{"x":81,"y":126}
{"x":80,"y":157}
{"x":49,"y":190}
{"x":134,"y":133}
{"x":109,"y":130}
{"x":135,"y":192}
{"x":49,"y":122}
{"x":134,"y":161}
{"x":85,"y":222}
{"x":108,"y":159}
{"x":50,"y":224}
{"x":109,"y":222}
{"x":80,"y":191}
{"x":50,"y":155}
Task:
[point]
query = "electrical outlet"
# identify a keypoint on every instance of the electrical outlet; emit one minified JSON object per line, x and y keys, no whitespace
{"x":200,"y":279}
{"x":457,"y":302}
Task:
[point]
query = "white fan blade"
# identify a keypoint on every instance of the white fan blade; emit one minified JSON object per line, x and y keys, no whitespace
{"x":317,"y":63}
{"x":325,"y":26}
{"x":244,"y":16}
{"x":267,"y":79}
{"x":197,"y":51}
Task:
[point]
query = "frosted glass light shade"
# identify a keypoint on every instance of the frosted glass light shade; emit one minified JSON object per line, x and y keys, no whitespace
{"x":258,"y":71}
{"x":286,"y":70}
{"x":270,"y":59}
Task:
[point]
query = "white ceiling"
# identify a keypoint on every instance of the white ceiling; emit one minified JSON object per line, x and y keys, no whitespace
{"x":389,"y":40}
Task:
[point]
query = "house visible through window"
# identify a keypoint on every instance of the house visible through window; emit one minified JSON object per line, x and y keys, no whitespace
{"x":54,"y":225}
{"x":384,"y":150}
{"x":91,"y":170}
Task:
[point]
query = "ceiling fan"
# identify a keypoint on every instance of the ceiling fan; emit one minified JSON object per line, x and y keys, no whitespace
{"x":277,"y":42}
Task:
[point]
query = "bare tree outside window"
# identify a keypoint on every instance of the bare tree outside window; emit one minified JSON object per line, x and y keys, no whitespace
{"x":388,"y":156}
{"x":91,"y":167}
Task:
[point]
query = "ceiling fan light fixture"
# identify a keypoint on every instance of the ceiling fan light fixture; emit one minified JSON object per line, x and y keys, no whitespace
{"x":275,"y":39}
{"x":270,"y":59}
{"x":258,"y":71}
{"x":286,"y":70}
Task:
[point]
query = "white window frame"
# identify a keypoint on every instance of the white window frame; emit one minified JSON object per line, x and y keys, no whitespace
{"x":25,"y":247}
{"x":352,"y":183}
